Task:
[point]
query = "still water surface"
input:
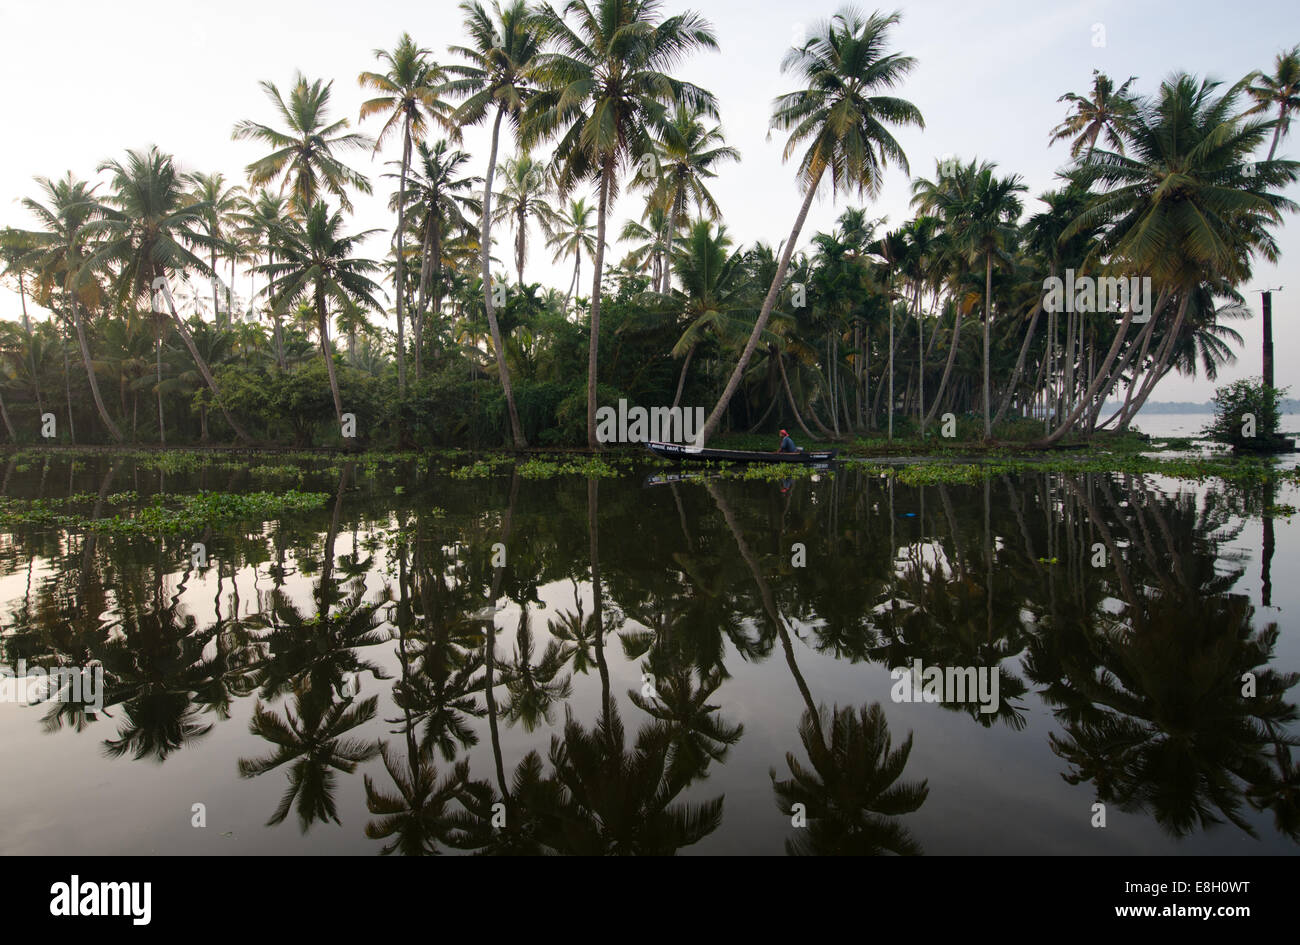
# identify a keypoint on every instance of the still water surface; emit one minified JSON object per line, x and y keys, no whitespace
{"x":631,"y":665}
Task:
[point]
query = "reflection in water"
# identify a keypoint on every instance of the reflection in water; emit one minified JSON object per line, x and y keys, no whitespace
{"x":565,"y":666}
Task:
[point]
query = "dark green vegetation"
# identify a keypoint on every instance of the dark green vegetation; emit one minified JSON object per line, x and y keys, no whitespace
{"x":1246,"y":417}
{"x":863,"y":331}
{"x":389,"y":653}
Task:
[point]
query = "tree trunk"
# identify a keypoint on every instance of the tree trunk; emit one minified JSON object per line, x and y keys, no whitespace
{"x":988,"y":326}
{"x":681,"y":381}
{"x":947,"y":368}
{"x":90,"y":370}
{"x":322,"y":327}
{"x":1020,"y":362}
{"x":400,"y":276}
{"x":598,"y":263}
{"x":203,"y":368}
{"x":764,"y":314}
{"x":485,"y":238}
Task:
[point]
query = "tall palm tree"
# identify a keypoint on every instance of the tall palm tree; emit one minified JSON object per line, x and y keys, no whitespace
{"x":524,"y":196}
{"x":263,"y":219}
{"x":317,"y":263}
{"x":498,"y":77}
{"x":410,"y":93}
{"x":441,"y":196}
{"x":572,"y":233}
{"x":305,"y":156}
{"x":715,"y":290}
{"x":1281,"y":90}
{"x":148,"y":224}
{"x":221,"y":204}
{"x":62,"y":258}
{"x":605,"y":97}
{"x":686,"y":154}
{"x":1100,"y":114}
{"x":842,"y":117}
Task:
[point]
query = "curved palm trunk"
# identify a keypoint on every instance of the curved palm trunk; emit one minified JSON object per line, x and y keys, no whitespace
{"x":400,"y":277}
{"x":598,"y":263}
{"x":203,"y":369}
{"x":947,"y":368}
{"x":681,"y":380}
{"x":1020,"y":362}
{"x":90,"y":371}
{"x":485,"y":237}
{"x":322,"y":328}
{"x":785,"y":382}
{"x":764,"y":314}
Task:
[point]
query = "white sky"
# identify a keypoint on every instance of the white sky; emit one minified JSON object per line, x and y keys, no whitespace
{"x":84,"y":81}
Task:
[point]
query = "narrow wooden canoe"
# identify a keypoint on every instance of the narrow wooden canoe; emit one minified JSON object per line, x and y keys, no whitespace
{"x":685,"y":451}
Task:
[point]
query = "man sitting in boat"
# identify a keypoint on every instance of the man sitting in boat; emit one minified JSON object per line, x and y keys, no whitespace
{"x":787,"y":444}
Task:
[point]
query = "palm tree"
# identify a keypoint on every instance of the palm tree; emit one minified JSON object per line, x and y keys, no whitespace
{"x":61,"y":256}
{"x":263,"y":218}
{"x":844,"y":120}
{"x":527,"y":184}
{"x":148,"y":225}
{"x":443,"y":199}
{"x":1102,"y":113}
{"x":1190,"y":140}
{"x":715,"y":290}
{"x":314,"y":741}
{"x":983,"y":225}
{"x":1281,"y":90}
{"x":410,"y":93}
{"x":570,"y":234}
{"x":498,"y":76}
{"x":605,"y":94}
{"x":305,"y":156}
{"x":221,"y":204}
{"x":851,"y":795}
{"x":686,"y":155}
{"x":316,"y":263}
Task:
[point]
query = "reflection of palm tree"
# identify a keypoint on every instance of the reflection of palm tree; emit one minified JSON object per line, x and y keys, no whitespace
{"x":852,"y":794}
{"x":314,"y":742}
{"x":621,"y":802}
{"x":697,"y":734}
{"x":419,"y":815}
{"x":533,"y":687}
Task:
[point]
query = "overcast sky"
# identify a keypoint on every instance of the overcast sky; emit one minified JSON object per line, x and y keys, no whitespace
{"x":84,"y":81}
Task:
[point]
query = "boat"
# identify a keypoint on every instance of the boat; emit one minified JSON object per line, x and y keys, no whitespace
{"x":685,"y":451}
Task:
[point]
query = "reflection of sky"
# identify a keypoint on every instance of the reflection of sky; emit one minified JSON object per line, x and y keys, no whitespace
{"x":991,"y":790}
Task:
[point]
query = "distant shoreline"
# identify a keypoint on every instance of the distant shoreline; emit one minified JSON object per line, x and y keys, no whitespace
{"x":1289,"y":405}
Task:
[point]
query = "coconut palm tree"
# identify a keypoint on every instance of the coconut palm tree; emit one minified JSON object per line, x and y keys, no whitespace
{"x":263,"y":218}
{"x":410,"y":93}
{"x":61,"y":255}
{"x":498,"y":77}
{"x":715,"y":290}
{"x":524,"y":197}
{"x":571,"y":233}
{"x":147,"y":225}
{"x":686,"y":154}
{"x":1281,"y":90}
{"x":606,"y":92}
{"x":221,"y":204}
{"x":316,"y":263}
{"x":851,"y":794}
{"x":444,"y":205}
{"x":1100,"y":114}
{"x":1188,"y":139}
{"x":842,"y":117}
{"x":305,"y":156}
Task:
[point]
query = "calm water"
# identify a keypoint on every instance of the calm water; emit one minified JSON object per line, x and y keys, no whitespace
{"x":652,"y":655}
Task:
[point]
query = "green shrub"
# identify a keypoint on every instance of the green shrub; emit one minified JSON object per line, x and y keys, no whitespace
{"x":1246,"y":415}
